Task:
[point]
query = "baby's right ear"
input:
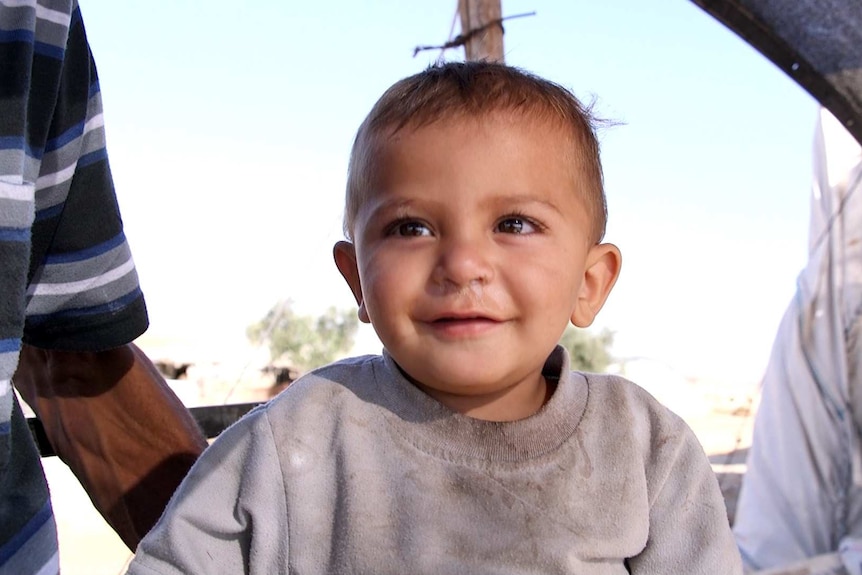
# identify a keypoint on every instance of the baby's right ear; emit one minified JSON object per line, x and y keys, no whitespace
{"x":345,"y":260}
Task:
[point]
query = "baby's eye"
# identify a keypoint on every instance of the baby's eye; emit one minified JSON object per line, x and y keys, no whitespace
{"x":409,"y":228}
{"x":516,"y":225}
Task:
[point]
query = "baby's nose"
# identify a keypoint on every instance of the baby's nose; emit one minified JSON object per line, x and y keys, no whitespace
{"x":464,"y":264}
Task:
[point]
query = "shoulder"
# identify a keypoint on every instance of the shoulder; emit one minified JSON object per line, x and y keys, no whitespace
{"x":337,"y":381}
{"x":621,"y":411}
{"x":688,"y":526}
{"x":319,"y":399}
{"x":615,"y":395}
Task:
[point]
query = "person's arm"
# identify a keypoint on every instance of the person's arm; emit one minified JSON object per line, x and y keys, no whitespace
{"x":112,"y":418}
{"x":689,"y":529}
{"x":230,"y":513}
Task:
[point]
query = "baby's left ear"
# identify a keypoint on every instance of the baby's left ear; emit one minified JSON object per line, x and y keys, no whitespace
{"x":600,"y":274}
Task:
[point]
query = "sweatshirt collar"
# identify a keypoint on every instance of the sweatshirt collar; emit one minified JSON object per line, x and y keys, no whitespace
{"x":440,"y":431}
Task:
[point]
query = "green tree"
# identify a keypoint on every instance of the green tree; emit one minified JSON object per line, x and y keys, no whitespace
{"x":305,"y":341}
{"x":589,"y":352}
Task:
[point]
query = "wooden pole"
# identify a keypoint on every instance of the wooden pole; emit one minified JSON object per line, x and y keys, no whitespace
{"x":487,"y":43}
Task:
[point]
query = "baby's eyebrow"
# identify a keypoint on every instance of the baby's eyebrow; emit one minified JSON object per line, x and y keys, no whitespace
{"x":377,"y":205}
{"x":522,"y":200}
{"x":377,"y":208}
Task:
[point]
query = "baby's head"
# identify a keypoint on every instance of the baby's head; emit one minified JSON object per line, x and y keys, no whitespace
{"x":459,"y":91}
{"x":475,"y":212}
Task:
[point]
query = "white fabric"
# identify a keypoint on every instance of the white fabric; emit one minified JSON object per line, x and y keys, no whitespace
{"x":802,"y":491}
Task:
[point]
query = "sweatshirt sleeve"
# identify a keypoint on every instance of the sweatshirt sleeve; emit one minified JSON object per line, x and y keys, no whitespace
{"x":229,"y":514}
{"x":689,"y":531}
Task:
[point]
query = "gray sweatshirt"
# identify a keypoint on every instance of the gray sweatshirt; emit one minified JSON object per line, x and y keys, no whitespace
{"x":353,"y":469}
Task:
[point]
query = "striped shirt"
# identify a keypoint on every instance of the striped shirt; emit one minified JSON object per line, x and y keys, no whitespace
{"x":67,"y":278}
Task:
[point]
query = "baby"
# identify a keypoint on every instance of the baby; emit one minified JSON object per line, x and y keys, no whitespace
{"x":475,"y":213}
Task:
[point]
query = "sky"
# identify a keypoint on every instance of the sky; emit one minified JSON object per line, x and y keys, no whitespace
{"x":229,"y":127}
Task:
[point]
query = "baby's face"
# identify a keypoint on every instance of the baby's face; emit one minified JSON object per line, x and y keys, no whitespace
{"x":471,"y":251}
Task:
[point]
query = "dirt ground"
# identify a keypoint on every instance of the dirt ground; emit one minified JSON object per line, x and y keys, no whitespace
{"x":89,"y":547}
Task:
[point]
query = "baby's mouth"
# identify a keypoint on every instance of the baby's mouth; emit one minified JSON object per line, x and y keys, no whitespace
{"x":459,"y":326}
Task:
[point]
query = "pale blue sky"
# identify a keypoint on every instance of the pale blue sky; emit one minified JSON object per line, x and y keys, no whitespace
{"x":229,"y":126}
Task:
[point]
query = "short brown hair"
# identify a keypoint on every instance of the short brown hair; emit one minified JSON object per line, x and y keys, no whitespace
{"x":453,"y":89}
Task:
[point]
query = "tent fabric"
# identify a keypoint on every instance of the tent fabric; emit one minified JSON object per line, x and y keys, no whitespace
{"x":801,"y":495}
{"x":818,"y":43}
